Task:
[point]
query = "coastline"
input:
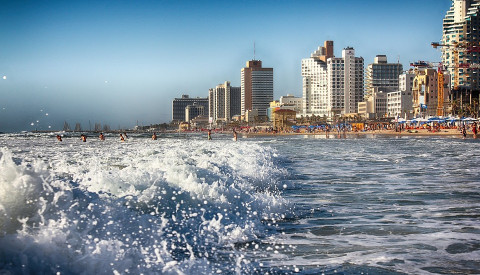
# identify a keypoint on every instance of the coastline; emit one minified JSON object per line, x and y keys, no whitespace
{"x":419,"y":132}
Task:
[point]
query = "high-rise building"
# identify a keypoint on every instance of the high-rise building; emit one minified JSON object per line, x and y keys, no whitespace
{"x":461,"y":38}
{"x":179,"y":105}
{"x":314,"y":76}
{"x":382,"y":75}
{"x":257,"y":88}
{"x":345,"y":83}
{"x":224,"y":102}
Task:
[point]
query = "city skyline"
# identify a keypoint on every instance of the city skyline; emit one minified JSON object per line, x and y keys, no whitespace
{"x":116,"y":63}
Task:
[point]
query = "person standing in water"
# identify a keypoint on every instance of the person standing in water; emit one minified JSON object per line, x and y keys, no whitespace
{"x":234,"y":135}
{"x":464,"y":131}
{"x":101,"y":136}
{"x":154,"y":137}
{"x":122,"y":139}
{"x":59,"y":138}
{"x":474,"y":129}
{"x":209,"y":134}
{"x":84,"y":138}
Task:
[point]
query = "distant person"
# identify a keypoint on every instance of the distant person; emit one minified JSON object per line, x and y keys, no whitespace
{"x":125,"y":134}
{"x":122,"y":138}
{"x":464,"y":131}
{"x":234,"y":135}
{"x":59,"y":138}
{"x":209,"y":134}
{"x":474,"y":130}
{"x":84,"y":138}
{"x":154,"y":137}
{"x":101,"y":136}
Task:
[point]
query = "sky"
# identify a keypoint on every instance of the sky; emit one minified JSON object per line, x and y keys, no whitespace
{"x":122,"y":63}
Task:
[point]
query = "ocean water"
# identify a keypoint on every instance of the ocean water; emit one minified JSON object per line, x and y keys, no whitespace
{"x":267,"y":205}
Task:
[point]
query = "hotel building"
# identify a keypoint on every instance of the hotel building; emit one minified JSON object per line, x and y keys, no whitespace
{"x":179,"y":105}
{"x":224,"y":102}
{"x":461,"y":40}
{"x":382,"y":75}
{"x":256,"y":88}
{"x":315,"y":85}
{"x":400,"y":103}
{"x":331,"y":85}
{"x":345,"y":83}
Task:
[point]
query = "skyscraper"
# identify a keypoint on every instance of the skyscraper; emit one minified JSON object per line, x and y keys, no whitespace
{"x":345,"y":82}
{"x":331,"y":85}
{"x":461,"y":40}
{"x":257,"y":87}
{"x":314,"y":76}
{"x":382,"y":75}
{"x":224,"y":102}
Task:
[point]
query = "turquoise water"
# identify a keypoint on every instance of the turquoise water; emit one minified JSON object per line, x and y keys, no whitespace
{"x":287,"y":205}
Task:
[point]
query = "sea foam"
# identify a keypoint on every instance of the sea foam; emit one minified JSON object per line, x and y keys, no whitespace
{"x":167,"y":206}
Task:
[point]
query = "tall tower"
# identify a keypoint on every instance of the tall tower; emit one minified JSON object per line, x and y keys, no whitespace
{"x":461,"y":34}
{"x":224,"y":102}
{"x":345,"y":82}
{"x":314,"y":76}
{"x":257,"y":87}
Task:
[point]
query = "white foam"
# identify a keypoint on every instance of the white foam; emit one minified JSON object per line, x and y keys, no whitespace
{"x":139,"y":206}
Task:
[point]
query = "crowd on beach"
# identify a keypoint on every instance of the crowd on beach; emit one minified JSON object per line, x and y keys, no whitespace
{"x":463,"y":129}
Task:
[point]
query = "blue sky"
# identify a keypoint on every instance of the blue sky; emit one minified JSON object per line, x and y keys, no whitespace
{"x":116,"y":62}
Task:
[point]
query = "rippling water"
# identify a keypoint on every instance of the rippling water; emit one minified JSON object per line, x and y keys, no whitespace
{"x":185,"y":205}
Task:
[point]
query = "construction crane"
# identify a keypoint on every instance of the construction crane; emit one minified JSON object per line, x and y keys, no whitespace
{"x":440,"y":91}
{"x":468,"y":47}
{"x":456,"y":47}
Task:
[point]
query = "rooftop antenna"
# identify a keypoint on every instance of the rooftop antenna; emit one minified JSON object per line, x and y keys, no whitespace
{"x":254,"y":50}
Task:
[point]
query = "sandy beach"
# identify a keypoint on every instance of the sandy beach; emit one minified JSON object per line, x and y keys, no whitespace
{"x":417,"y":132}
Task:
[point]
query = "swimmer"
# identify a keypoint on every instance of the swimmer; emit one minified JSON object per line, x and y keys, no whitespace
{"x":209,"y":134}
{"x":154,"y":137}
{"x":101,"y":136}
{"x":84,"y":138}
{"x":122,"y":138}
{"x":59,"y":138}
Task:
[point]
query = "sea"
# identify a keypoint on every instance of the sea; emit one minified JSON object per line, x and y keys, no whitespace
{"x":182,"y":204}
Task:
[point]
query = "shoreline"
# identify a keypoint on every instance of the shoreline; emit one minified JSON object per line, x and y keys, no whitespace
{"x":420,"y":132}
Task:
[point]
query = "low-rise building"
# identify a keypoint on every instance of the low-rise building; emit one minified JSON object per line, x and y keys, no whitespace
{"x":179,"y":105}
{"x":375,"y":106}
{"x":192,"y":111}
{"x":425,"y":91}
{"x":283,"y":119}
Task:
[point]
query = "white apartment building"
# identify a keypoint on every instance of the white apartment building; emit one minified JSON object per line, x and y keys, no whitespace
{"x":315,"y":89}
{"x":345,"y":83}
{"x":400,"y":103}
{"x":224,"y":102}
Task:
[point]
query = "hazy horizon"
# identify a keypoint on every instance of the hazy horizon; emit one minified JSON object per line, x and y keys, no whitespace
{"x":120,"y":62}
